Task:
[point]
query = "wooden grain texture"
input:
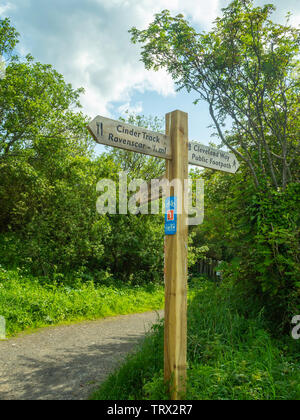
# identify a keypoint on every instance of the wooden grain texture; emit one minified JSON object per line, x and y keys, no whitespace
{"x":129,"y":137}
{"x":176,"y":271}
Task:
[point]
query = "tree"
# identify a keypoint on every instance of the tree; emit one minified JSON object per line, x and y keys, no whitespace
{"x":247,"y":70}
{"x":46,"y":173}
{"x":41,"y":134}
{"x":35,"y":104}
{"x":8,"y":41}
{"x":8,"y":37}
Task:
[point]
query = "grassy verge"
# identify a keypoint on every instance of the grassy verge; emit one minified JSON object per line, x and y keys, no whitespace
{"x":28,"y":303}
{"x":230,"y":357}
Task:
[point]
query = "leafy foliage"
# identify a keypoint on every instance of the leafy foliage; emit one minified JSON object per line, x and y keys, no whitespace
{"x":48,"y":179}
{"x":273,"y":260}
{"x":247,"y":70}
{"x":8,"y":37}
{"x":256,"y":235}
{"x":49,"y":226}
{"x":29,"y":302}
{"x":35,"y":105}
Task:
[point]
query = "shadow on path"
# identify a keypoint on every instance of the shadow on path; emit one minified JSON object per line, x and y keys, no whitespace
{"x":67,"y":370}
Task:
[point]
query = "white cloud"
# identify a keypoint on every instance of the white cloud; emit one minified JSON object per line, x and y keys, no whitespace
{"x":201,"y":12}
{"x":88,"y":42}
{"x":131,"y":108}
{"x":4,"y":8}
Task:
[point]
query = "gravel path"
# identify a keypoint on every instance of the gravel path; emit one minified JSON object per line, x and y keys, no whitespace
{"x":68,"y":362}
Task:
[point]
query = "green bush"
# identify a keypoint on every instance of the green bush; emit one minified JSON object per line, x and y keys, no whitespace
{"x":256,"y":234}
{"x":269,"y":269}
{"x":28,"y":302}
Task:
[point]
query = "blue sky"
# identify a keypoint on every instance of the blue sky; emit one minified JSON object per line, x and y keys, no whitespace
{"x":88,"y":42}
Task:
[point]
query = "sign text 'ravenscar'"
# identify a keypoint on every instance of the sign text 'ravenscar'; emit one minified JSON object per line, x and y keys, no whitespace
{"x":125,"y":136}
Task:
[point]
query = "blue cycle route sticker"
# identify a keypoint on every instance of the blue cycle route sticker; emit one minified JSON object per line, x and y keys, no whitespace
{"x":171,"y":216}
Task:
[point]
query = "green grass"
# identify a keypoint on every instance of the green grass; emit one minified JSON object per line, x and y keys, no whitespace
{"x":230,"y":357}
{"x":28,"y":303}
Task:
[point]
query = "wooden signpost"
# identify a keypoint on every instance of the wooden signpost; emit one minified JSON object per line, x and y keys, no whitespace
{"x":176,"y":271}
{"x":179,"y":153}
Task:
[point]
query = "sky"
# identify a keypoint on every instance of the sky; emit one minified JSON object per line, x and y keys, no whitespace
{"x":88,"y":42}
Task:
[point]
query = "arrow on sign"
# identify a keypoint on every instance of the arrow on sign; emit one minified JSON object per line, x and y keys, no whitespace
{"x":210,"y":157}
{"x":138,"y":139}
{"x":129,"y":137}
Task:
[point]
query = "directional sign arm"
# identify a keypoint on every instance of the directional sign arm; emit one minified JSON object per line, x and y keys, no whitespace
{"x":210,"y":157}
{"x":125,"y":136}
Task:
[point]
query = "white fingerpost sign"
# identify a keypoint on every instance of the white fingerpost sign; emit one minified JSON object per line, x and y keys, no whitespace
{"x":210,"y":157}
{"x":129,"y":137}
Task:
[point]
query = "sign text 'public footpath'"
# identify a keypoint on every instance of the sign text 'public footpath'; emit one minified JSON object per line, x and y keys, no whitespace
{"x":138,"y":139}
{"x":210,"y":157}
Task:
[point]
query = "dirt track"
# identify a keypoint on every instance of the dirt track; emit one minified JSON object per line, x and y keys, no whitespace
{"x":68,"y":362}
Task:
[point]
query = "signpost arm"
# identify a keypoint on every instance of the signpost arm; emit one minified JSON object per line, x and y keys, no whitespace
{"x":176,"y":263}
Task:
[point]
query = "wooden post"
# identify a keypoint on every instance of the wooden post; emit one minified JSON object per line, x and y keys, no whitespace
{"x":176,"y":271}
